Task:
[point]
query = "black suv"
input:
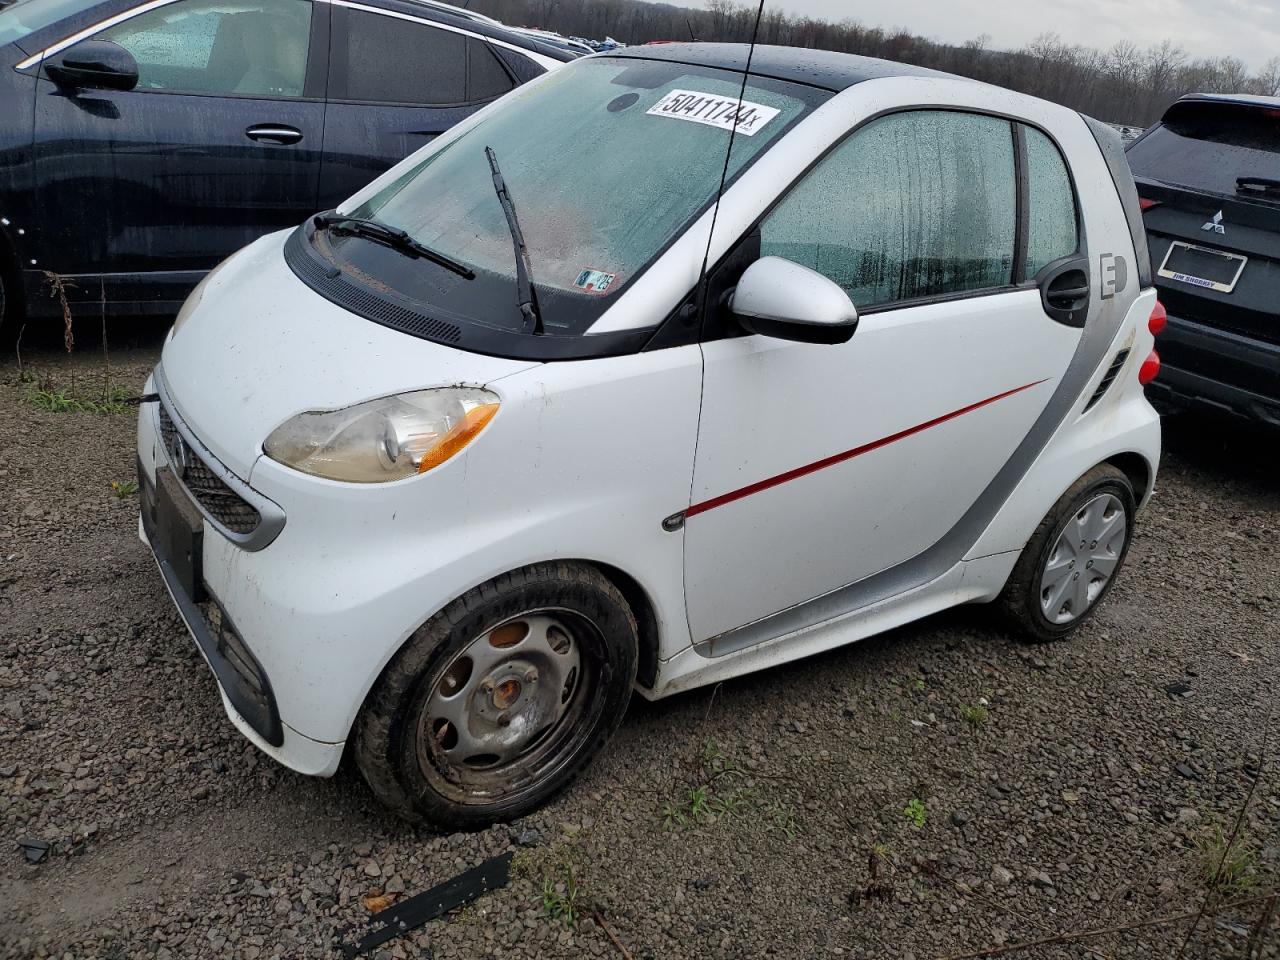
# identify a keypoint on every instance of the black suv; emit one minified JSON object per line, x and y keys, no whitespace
{"x":1208,"y":175}
{"x":142,"y":141}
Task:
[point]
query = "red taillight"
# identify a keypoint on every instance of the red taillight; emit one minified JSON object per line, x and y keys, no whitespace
{"x":1158,"y":319}
{"x":1150,"y":368}
{"x":1146,"y":204}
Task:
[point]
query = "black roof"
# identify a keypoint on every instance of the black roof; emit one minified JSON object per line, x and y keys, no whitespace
{"x":817,"y":68}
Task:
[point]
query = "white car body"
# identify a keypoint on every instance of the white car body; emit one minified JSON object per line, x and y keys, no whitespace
{"x":971,"y":423}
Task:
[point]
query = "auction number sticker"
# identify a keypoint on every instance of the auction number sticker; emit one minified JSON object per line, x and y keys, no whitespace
{"x":594,"y":281}
{"x":714,"y":111}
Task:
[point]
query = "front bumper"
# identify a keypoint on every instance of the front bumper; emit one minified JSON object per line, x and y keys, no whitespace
{"x":244,"y":686}
{"x":240,"y":676}
{"x":1204,"y":368}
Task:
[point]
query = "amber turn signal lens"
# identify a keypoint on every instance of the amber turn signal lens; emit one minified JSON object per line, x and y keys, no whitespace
{"x":462,"y":433}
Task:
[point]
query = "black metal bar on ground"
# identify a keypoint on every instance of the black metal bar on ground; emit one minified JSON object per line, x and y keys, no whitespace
{"x":417,"y":910}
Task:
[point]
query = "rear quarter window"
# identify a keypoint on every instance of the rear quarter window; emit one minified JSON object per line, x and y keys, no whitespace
{"x":1052,"y":231}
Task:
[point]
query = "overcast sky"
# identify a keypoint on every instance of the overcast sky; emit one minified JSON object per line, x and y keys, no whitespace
{"x":1248,"y":29}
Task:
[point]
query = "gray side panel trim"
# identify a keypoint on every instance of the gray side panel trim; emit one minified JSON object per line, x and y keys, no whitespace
{"x":1113,"y":152}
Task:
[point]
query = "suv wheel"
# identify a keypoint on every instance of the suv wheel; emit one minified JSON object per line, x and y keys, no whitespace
{"x":1072,"y":559}
{"x":500,"y":700}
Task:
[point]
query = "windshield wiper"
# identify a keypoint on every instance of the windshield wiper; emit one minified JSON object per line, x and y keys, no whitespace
{"x":524,"y":281}
{"x":1259,"y":184}
{"x":389,"y":236}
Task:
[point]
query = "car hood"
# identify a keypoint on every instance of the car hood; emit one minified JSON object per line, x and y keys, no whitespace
{"x":257,"y":346}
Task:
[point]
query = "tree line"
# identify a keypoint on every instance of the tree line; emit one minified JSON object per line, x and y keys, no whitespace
{"x":1122,"y":84}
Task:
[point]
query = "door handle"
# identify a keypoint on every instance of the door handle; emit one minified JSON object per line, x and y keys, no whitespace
{"x":273,"y":133}
{"x":1065,"y":290}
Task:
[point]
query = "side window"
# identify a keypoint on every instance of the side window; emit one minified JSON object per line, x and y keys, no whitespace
{"x":486,"y":77}
{"x":390,"y":60}
{"x":1052,"y":231}
{"x":247,"y":47}
{"x":912,"y":205}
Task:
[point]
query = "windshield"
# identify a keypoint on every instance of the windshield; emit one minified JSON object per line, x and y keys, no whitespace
{"x":605,"y":161}
{"x":27,"y":16}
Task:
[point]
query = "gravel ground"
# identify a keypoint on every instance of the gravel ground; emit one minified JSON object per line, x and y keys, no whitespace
{"x":863,"y":803}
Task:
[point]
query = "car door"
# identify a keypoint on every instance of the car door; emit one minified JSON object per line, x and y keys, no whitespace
{"x":218,"y":144}
{"x":818,"y":466}
{"x":398,"y":81}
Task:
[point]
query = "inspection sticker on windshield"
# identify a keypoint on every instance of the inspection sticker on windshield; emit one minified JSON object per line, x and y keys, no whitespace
{"x":714,"y":111}
{"x":594,"y":281}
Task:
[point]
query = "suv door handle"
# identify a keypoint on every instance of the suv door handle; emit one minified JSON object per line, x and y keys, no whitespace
{"x":273,"y":133}
{"x":1065,"y":290}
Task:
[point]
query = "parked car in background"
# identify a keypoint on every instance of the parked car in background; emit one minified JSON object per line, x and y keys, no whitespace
{"x":578,"y":48}
{"x":142,"y":143}
{"x":1209,"y":177}
{"x":553,"y":466}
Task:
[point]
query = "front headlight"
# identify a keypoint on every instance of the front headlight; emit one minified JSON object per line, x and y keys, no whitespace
{"x":383,"y":440}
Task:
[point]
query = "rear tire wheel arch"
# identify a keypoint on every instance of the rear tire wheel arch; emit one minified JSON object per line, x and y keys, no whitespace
{"x":385,"y":734}
{"x":1019,"y":602}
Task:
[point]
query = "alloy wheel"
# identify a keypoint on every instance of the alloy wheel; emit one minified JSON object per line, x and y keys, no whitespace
{"x":1083,"y":559}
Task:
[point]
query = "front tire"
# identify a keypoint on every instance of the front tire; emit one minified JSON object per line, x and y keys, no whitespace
{"x":500,"y":700}
{"x":1071,"y":561}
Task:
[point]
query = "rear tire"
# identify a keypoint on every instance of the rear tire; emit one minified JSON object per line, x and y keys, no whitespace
{"x":1072,"y":560}
{"x":499,"y":701}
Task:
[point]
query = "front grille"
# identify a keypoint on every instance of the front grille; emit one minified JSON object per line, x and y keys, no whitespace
{"x":215,"y":498}
{"x":1108,"y":378}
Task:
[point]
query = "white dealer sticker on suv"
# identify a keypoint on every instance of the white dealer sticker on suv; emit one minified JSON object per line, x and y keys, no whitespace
{"x":714,"y":111}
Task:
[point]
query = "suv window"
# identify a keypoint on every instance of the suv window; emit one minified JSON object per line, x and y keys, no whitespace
{"x":1052,"y":231}
{"x":247,"y":47}
{"x":25,"y":17}
{"x":915,"y":204}
{"x":1208,"y":146}
{"x":486,"y":76}
{"x":390,"y":60}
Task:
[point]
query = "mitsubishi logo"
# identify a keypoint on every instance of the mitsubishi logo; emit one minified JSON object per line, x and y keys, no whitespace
{"x":1216,"y":224}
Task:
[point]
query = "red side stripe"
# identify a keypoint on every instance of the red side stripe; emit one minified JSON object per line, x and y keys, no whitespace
{"x":832,"y":460}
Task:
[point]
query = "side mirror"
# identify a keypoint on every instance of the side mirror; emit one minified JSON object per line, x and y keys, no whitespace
{"x":94,"y":65}
{"x":778,"y":298}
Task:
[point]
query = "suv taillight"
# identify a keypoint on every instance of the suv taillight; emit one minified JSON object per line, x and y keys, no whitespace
{"x":1144,"y":204}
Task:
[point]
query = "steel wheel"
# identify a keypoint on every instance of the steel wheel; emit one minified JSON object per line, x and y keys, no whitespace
{"x":507,"y":708}
{"x":1083,"y":559}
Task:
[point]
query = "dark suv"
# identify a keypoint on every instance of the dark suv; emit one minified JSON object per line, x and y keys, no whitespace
{"x":142,"y":141}
{"x":1209,"y":179}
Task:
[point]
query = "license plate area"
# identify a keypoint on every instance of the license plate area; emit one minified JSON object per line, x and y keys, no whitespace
{"x":1202,"y":267}
{"x":179,"y":534}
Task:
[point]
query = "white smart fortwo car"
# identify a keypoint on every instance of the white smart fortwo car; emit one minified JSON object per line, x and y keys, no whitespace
{"x":443,"y":475}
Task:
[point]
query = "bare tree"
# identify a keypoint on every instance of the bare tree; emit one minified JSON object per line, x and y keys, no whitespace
{"x":1267,"y":82}
{"x":1123,"y":84}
